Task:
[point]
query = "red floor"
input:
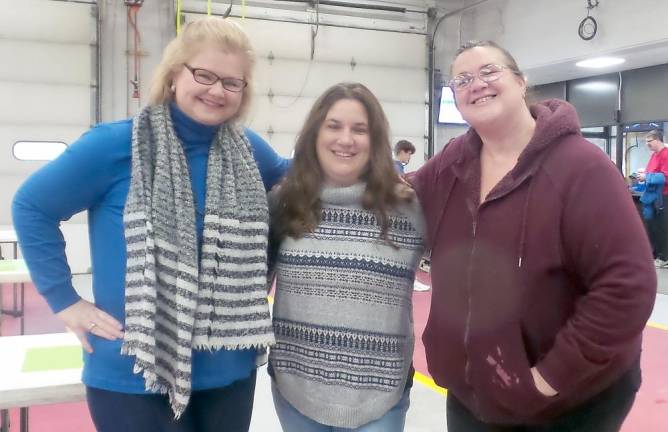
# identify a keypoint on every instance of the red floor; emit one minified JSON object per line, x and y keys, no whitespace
{"x":649,"y":414}
{"x":71,"y":417}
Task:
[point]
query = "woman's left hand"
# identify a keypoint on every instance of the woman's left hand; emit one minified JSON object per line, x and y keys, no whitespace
{"x":542,"y":385}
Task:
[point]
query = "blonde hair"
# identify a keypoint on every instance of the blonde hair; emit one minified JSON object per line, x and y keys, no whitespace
{"x":209,"y":31}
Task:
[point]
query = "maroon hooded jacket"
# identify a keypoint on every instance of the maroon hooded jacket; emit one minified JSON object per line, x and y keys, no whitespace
{"x":552,"y":270}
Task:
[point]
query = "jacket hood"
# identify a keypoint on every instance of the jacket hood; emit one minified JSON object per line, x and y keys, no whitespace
{"x":555,"y":119}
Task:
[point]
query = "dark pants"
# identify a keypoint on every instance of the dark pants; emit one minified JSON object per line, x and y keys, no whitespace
{"x":226,"y":409}
{"x":604,"y":412}
{"x":657,"y":229}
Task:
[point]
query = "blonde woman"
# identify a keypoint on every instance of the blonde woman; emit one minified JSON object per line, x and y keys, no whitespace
{"x":178,"y":219}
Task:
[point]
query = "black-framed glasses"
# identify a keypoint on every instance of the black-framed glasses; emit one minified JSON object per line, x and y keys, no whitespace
{"x":206,"y":77}
{"x":487,"y":73}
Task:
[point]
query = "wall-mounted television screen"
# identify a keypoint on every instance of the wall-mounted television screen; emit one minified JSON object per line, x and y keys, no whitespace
{"x":448,"y":112}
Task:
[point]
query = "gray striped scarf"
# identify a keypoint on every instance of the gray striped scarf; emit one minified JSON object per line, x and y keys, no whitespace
{"x":175,"y":303}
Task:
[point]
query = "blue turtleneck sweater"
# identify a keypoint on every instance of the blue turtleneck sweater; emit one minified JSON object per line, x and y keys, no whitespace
{"x":93,"y":174}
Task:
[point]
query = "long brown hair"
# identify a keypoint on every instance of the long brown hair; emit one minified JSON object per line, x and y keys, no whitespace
{"x":299,"y":194}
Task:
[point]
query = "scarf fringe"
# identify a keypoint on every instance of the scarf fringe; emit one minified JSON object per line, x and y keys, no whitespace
{"x":152,"y":381}
{"x":267,"y":342}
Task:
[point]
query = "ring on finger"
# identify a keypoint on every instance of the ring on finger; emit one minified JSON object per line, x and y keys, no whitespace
{"x":91,"y":326}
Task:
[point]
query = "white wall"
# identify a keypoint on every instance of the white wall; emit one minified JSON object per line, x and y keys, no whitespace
{"x":46,"y":81}
{"x":53,"y":43}
{"x":156,"y":25}
{"x":76,"y":246}
{"x":388,"y":50}
{"x":543,"y":34}
{"x":391,"y":64}
{"x":48,"y":92}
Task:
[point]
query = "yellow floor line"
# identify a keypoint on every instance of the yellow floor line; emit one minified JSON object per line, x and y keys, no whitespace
{"x":428,"y":382}
{"x":657,"y":325}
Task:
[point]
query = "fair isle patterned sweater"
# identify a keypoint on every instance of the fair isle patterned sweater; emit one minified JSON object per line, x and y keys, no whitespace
{"x":343,"y":312}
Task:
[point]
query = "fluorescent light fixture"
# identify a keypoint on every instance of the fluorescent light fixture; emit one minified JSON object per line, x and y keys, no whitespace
{"x":597,"y":86}
{"x":600,"y":62}
{"x":38,"y":150}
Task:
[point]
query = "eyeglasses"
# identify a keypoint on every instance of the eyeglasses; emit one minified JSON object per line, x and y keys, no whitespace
{"x":487,"y":73}
{"x":209,"y":78}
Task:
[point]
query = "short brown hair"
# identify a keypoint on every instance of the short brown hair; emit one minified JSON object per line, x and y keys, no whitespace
{"x":655,"y":134}
{"x":299,"y":194}
{"x":405,"y":146}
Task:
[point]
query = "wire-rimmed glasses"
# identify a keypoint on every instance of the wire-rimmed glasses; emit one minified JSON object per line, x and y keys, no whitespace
{"x":487,"y":73}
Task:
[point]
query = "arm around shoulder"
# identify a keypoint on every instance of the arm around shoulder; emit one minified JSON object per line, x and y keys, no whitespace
{"x":272,"y":166}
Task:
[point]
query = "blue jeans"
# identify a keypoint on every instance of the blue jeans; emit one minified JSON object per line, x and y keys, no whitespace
{"x":294,"y":421}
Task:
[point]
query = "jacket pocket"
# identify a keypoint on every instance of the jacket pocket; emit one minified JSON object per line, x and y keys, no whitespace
{"x":505,"y":378}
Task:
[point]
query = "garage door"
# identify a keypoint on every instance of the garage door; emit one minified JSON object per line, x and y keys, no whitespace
{"x":386,"y":51}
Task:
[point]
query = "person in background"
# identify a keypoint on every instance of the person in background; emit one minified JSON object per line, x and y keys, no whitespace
{"x":178,"y":221}
{"x":539,"y":294}
{"x":403,"y":150}
{"x":636,"y":185}
{"x":351,"y":235}
{"x":655,"y":197}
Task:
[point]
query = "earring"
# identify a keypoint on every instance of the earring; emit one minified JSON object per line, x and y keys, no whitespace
{"x":173,"y":88}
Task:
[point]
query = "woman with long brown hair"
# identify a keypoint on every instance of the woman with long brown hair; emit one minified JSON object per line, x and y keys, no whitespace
{"x":351,"y":238}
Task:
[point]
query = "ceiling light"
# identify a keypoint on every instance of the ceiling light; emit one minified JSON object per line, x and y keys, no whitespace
{"x":597,"y":86}
{"x":600,"y":62}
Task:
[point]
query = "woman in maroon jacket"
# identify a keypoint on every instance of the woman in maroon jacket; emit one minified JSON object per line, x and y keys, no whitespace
{"x":542,"y":273}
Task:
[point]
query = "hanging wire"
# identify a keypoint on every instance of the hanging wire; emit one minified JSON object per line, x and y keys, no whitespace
{"x":227,"y":13}
{"x":136,"y":80}
{"x":301,"y":90}
{"x":243,"y":9}
{"x":314,"y":32}
{"x":178,"y":16}
{"x":310,"y":63}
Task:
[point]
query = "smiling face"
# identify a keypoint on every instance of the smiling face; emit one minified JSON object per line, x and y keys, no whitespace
{"x":484,"y":103}
{"x":209,"y":104}
{"x":343,"y":144}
